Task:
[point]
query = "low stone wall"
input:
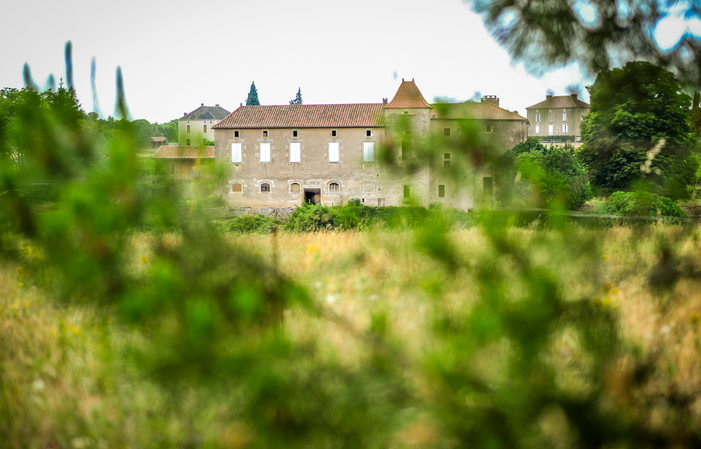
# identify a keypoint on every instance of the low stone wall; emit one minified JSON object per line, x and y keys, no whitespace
{"x":230,"y":212}
{"x":692,"y":211}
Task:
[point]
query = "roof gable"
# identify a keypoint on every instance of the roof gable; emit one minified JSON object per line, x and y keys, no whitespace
{"x":206,"y":113}
{"x":560,"y":101}
{"x":408,"y":96}
{"x":476,"y":111}
{"x":366,"y":115}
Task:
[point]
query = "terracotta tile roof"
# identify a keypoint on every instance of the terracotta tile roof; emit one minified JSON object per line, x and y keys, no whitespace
{"x":478,"y":111}
{"x":562,"y":101}
{"x":408,"y":96}
{"x":158,"y":139}
{"x":168,"y":152}
{"x":366,"y":115}
{"x":206,"y":113}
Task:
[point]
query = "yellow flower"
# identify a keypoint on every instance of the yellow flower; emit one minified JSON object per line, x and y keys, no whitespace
{"x":606,"y":257}
{"x":313,"y":249}
{"x":614,"y":291}
{"x":20,"y":284}
{"x":144,"y":259}
{"x":26,"y":304}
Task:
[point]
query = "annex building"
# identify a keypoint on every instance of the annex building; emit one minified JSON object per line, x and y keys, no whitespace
{"x":383,"y":154}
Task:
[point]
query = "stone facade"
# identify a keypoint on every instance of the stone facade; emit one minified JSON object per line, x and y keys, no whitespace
{"x":383,"y":154}
{"x":557,"y":116}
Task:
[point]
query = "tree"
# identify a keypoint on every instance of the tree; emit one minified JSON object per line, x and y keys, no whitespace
{"x":633,"y":109}
{"x":252,"y":99}
{"x":546,"y":176}
{"x":596,"y":34}
{"x":298,"y":97}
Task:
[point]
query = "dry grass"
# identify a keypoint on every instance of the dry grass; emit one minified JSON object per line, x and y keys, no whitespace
{"x":65,"y":382}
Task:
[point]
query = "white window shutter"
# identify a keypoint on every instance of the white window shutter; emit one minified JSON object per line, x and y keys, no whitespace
{"x":265,"y":152}
{"x":295,"y":152}
{"x":550,"y":130}
{"x":334,"y":152}
{"x":537,"y":129}
{"x":236,"y":153}
{"x":368,"y":151}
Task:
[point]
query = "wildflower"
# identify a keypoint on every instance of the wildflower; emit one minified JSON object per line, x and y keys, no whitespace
{"x":20,"y":284}
{"x":144,"y":259}
{"x":26,"y":304}
{"x":313,"y":249}
{"x":614,"y":291}
{"x":606,"y":257}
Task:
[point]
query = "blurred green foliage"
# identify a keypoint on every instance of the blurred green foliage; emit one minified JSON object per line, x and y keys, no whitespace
{"x":632,"y":108}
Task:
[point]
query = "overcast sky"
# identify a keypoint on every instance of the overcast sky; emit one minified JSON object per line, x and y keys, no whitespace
{"x":175,"y":55}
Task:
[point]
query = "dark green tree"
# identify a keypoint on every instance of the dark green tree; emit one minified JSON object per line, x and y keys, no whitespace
{"x":298,"y":98}
{"x":695,"y":117}
{"x":252,"y":99}
{"x":633,"y":109}
{"x":544,"y":176}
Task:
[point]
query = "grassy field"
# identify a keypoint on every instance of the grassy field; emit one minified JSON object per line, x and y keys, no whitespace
{"x":69,"y":378}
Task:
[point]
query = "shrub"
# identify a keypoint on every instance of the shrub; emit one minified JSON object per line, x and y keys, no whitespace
{"x":640,"y":204}
{"x":251,"y":224}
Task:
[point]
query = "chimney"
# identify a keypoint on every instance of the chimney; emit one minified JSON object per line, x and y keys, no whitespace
{"x":201,"y":104}
{"x":491,"y":99}
{"x":216,"y":105}
{"x":574,"y":96}
{"x":548,"y":96}
{"x":184,"y":114}
{"x":384,"y":101}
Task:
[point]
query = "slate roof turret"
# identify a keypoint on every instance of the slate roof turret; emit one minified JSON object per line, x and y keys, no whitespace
{"x":408,"y":96}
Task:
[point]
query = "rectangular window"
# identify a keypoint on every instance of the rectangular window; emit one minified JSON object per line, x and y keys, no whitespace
{"x":187,"y":142}
{"x":564,"y":116}
{"x":294,"y":133}
{"x":295,"y":152}
{"x":565,"y":128}
{"x":236,"y":153}
{"x":407,"y":192}
{"x":550,"y":130}
{"x":333,"y":133}
{"x":205,"y":127}
{"x":188,"y":129}
{"x":551,"y":117}
{"x":537,"y":129}
{"x":236,"y":134}
{"x":334,"y":152}
{"x":368,"y":151}
{"x":441,"y":191}
{"x":446,"y":132}
{"x":368,"y":133}
{"x":265,"y":134}
{"x":537,"y":117}
{"x":265,"y":152}
{"x":446,"y":160}
{"x":487,"y":186}
{"x":489,"y":128}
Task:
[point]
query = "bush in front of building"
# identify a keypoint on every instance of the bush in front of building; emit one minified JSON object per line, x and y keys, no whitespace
{"x":640,"y":204}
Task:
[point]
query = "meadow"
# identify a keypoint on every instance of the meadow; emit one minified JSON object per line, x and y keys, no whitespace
{"x":388,"y":353}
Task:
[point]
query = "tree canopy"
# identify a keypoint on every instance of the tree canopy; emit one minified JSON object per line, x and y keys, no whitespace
{"x":634,"y":108}
{"x":545,"y":176}
{"x":596,"y":34}
{"x":298,"y":98}
{"x":252,"y":99}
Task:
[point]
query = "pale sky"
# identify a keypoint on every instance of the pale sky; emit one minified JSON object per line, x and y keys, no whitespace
{"x":175,"y":55}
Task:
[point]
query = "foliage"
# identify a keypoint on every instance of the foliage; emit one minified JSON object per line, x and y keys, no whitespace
{"x":252,"y":99}
{"x":298,"y":98}
{"x":596,"y":34}
{"x":632,"y":109}
{"x":251,"y":224}
{"x":640,"y":204}
{"x":548,"y":176}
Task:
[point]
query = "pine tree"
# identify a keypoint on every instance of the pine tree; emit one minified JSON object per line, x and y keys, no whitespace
{"x":298,"y":97}
{"x":252,"y":99}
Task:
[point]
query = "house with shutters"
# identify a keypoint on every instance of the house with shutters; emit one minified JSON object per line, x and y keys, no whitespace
{"x":390,"y":153}
{"x":558,"y":118}
{"x":195,"y":128}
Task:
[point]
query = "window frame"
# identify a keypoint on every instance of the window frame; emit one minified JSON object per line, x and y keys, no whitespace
{"x":295,"y":150}
{"x":260,"y":188}
{"x":334,"y":190}
{"x":334,"y":149}
{"x":234,"y":184}
{"x":236,"y":149}
{"x":368,"y":151}
{"x":299,"y":186}
{"x":264,"y":152}
{"x":441,"y":190}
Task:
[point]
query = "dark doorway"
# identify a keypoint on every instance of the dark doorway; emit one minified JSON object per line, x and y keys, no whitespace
{"x":312,"y":196}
